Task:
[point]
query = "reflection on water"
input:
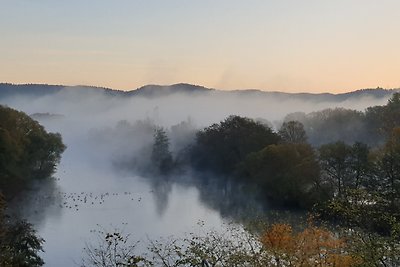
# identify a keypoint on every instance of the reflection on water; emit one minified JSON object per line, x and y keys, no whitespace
{"x":161,"y":190}
{"x":89,"y":195}
{"x":43,"y":200}
{"x":89,"y":192}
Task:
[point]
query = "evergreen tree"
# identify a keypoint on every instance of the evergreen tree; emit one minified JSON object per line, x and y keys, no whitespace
{"x":161,"y":155}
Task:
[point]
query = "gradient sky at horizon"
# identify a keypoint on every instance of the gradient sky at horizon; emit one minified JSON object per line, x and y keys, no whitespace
{"x":282,"y":45}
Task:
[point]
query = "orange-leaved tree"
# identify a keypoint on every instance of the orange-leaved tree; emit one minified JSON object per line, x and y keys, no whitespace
{"x":314,"y":246}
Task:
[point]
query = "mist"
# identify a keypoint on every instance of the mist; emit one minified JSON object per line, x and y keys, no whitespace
{"x":95,"y":108}
{"x":113,"y":128}
{"x":99,"y":180}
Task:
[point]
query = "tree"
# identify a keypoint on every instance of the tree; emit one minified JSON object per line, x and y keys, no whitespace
{"x":27,"y":151}
{"x":314,"y":246}
{"x":233,"y":248}
{"x":389,"y":164}
{"x":19,"y":244}
{"x":360,"y":165}
{"x":293,"y":132}
{"x":161,"y":155}
{"x":287,"y":173}
{"x":335,"y":162}
{"x":44,"y":150}
{"x":392,"y":114}
{"x":374,"y":249}
{"x":113,"y":250}
{"x":381,"y":120}
{"x":330,"y":125}
{"x":277,"y":246}
{"x":221,"y":147}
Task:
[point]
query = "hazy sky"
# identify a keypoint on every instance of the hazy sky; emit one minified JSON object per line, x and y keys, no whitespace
{"x":308,"y":45}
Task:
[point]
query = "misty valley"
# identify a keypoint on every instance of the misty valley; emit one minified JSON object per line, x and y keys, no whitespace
{"x":184,"y":175}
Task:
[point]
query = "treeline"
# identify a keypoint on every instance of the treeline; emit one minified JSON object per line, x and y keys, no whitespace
{"x":371,"y":127}
{"x":353,"y":183}
{"x":284,"y":165}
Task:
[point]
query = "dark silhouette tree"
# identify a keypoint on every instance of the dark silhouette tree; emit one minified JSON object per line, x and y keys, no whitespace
{"x":389,"y":164}
{"x":221,"y":147}
{"x":161,"y":156}
{"x":287,"y":173}
{"x":360,"y":165}
{"x":19,"y":244}
{"x":293,"y":132}
{"x":335,"y":163}
{"x":27,"y":151}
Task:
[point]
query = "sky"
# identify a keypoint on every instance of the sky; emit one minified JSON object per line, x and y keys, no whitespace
{"x":283,"y":45}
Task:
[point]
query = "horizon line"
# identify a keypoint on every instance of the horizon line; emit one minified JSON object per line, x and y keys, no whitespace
{"x":198,"y":85}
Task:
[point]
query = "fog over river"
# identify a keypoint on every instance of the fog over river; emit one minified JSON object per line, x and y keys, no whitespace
{"x":91,"y":190}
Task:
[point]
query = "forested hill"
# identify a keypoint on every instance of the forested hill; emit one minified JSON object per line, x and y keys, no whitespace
{"x":153,"y":91}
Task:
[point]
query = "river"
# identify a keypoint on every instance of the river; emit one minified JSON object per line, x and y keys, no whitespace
{"x":89,"y":193}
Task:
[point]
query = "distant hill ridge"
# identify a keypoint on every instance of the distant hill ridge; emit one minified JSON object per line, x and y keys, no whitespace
{"x":152,"y":91}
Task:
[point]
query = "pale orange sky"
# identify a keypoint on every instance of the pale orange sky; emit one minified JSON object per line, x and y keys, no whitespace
{"x":312,"y":46}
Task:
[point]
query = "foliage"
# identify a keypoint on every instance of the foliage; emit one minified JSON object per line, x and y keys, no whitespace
{"x":113,"y":250}
{"x":19,"y":244}
{"x":382,"y":119}
{"x":330,"y":125}
{"x":293,"y":132}
{"x":334,"y":160}
{"x":374,"y":249}
{"x":369,"y":192}
{"x":344,"y":166}
{"x":371,"y":127}
{"x":389,"y":166}
{"x":288,"y":173}
{"x":161,"y":156}
{"x":361,"y":209}
{"x":314,"y":246}
{"x":27,"y":151}
{"x":277,"y":245}
{"x":221,"y":147}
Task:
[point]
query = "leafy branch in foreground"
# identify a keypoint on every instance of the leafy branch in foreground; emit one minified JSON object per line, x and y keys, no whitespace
{"x":277,"y":246}
{"x":113,"y":249}
{"x":19,"y":244}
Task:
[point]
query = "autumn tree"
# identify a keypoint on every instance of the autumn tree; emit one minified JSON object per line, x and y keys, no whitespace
{"x":314,"y":246}
{"x":278,"y":246}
